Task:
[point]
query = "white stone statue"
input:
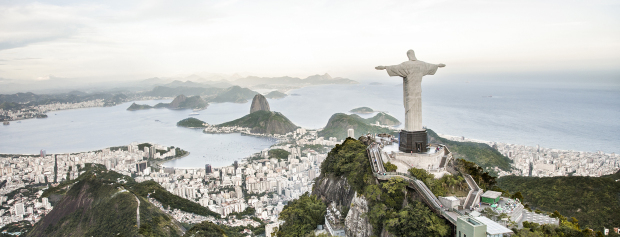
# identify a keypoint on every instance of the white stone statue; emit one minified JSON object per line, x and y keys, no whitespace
{"x":412,"y":72}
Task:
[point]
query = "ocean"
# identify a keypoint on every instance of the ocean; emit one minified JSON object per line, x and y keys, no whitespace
{"x":567,"y":116}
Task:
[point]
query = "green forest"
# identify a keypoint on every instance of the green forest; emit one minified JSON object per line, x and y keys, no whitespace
{"x":278,"y":154}
{"x":481,"y":154}
{"x":594,"y":201}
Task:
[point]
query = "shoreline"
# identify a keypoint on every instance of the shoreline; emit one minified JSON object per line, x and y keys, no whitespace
{"x":446,"y":136}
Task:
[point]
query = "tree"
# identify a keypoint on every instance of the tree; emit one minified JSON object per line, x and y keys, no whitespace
{"x":395,"y":184}
{"x":205,"y":228}
{"x":301,"y":216}
{"x":373,"y":192}
{"x":517,"y":195}
{"x":417,"y":220}
{"x":278,"y":154}
{"x":389,"y":167}
{"x":421,"y":174}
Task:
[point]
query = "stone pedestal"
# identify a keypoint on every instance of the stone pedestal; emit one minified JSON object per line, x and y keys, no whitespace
{"x":415,"y":142}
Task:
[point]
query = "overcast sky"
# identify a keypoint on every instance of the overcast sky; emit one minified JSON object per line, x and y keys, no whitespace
{"x":141,"y":39}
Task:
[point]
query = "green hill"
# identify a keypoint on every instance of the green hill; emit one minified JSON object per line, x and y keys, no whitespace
{"x":481,"y":154}
{"x":594,"y":201}
{"x":261,"y":121}
{"x":191,"y":123}
{"x":135,"y":107}
{"x":383,"y":119}
{"x":362,"y":110}
{"x":96,"y":204}
{"x":275,"y":95}
{"x":339,"y":124}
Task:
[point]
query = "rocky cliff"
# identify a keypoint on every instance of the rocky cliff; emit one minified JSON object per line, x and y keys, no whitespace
{"x":259,"y":103}
{"x":356,"y":222}
{"x":336,"y":189}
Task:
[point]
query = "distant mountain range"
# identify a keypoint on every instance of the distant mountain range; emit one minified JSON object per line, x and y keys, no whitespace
{"x":293,"y":81}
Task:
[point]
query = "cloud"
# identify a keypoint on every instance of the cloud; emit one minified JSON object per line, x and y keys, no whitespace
{"x":113,"y":39}
{"x":23,"y":25}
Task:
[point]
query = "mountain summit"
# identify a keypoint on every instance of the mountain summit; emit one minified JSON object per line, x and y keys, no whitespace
{"x":259,"y":103}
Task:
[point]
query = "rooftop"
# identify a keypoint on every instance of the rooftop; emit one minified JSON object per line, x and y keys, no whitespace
{"x":452,"y":198}
{"x":491,"y":194}
{"x":493,"y":228}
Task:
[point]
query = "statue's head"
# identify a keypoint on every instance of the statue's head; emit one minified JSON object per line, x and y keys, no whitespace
{"x":411,"y":55}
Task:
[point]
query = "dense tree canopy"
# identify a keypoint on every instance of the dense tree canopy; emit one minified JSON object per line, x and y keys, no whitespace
{"x":417,"y":220}
{"x":279,"y":154}
{"x":349,"y":159}
{"x":301,"y":216}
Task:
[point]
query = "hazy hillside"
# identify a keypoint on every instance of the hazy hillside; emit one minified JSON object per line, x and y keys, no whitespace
{"x":261,"y":121}
{"x":293,"y":81}
{"x":235,"y":94}
{"x":383,"y":119}
{"x":339,"y":124}
{"x":275,"y":95}
{"x":164,"y":91}
{"x":479,"y":153}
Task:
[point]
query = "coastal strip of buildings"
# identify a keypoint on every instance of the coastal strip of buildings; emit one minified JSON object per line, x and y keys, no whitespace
{"x":545,"y":162}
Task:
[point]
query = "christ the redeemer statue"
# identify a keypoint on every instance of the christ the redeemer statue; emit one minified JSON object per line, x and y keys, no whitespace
{"x":412,"y":72}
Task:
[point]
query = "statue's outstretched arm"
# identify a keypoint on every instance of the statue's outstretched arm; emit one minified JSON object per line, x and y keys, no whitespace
{"x":380,"y":67}
{"x":441,"y":65}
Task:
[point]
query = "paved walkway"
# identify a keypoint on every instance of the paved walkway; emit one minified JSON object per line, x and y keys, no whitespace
{"x":137,"y":211}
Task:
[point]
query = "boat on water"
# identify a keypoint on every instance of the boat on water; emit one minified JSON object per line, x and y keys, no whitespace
{"x":194,"y":113}
{"x":5,"y":123}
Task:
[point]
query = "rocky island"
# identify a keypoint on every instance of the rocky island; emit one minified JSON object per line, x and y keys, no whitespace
{"x":262,"y":120}
{"x":275,"y":95}
{"x":191,"y":123}
{"x":135,"y":107}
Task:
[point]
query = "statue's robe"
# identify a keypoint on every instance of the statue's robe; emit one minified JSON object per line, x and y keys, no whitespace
{"x":412,"y":73}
